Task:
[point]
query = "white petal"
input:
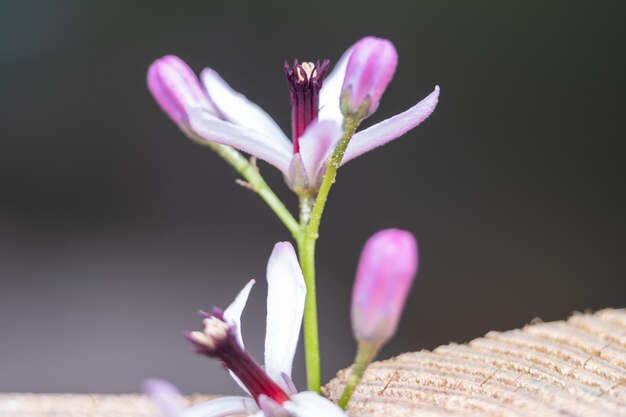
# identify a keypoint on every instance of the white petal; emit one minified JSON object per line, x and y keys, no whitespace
{"x":237,"y":109}
{"x":223,"y":407}
{"x":166,"y":396}
{"x":392,"y":128}
{"x":212,"y":129}
{"x":331,"y":91}
{"x":285,"y":305}
{"x":316,"y":146}
{"x":311,"y":404}
{"x":232,"y":314}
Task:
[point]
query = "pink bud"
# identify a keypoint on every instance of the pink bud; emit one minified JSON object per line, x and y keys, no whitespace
{"x":386,"y":270}
{"x":176,"y":88}
{"x":370,"y":69}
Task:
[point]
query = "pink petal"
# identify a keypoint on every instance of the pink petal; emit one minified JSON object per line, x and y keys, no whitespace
{"x":392,"y":128}
{"x":384,"y":276}
{"x":175,"y":87}
{"x":316,"y":145}
{"x":212,"y":129}
{"x":237,"y":109}
{"x":370,"y":69}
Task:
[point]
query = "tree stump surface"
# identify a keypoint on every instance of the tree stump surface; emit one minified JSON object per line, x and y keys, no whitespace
{"x":564,"y":368}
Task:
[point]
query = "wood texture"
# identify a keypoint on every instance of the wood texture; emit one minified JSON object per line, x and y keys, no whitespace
{"x":565,"y":368}
{"x":572,"y":368}
{"x":81,"y":405}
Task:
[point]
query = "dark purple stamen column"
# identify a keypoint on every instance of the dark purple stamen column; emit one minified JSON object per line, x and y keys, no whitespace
{"x":305,"y":82}
{"x":218,"y":341}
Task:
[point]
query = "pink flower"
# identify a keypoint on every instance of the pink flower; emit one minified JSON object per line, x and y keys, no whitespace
{"x":221,"y":115}
{"x":384,"y":276}
{"x":366,"y":80}
{"x":176,"y":88}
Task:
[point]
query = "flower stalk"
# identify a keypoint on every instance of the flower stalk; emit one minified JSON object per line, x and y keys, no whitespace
{"x":366,"y":352}
{"x":311,"y":218}
{"x":256,"y":183}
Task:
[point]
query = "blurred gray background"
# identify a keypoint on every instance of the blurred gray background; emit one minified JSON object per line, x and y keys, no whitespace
{"x":114,"y":228}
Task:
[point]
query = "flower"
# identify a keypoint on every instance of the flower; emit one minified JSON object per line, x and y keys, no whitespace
{"x":221,"y":115}
{"x":176,"y":88}
{"x":384,"y":276}
{"x":272,"y":393}
{"x":366,"y":80}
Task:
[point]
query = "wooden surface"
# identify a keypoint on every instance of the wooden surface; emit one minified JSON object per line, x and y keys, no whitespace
{"x":572,"y":368}
{"x":81,"y":405}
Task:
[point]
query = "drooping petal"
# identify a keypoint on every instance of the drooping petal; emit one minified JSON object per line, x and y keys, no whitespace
{"x":392,"y":128}
{"x":311,"y":404}
{"x":285,"y":306}
{"x":331,"y":91}
{"x":232,"y":314}
{"x":223,"y":407}
{"x":316,"y":146}
{"x":166,"y":396}
{"x":237,"y":109}
{"x":212,"y":129}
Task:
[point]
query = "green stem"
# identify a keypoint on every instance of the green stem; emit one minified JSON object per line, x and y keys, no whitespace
{"x":306,"y":254}
{"x":310,"y":222}
{"x":365,"y":355}
{"x":305,"y":232}
{"x":350,"y":125}
{"x":256,"y":183}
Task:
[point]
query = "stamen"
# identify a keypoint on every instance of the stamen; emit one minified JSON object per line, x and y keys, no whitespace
{"x":305,"y":81}
{"x":309,"y":71}
{"x":218,"y":340}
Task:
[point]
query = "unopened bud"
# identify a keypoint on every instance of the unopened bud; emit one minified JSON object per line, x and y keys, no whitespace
{"x":370,"y":69}
{"x":384,"y":276}
{"x":176,"y":88}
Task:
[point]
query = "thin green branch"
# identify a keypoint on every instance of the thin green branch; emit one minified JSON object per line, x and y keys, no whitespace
{"x":255,"y":182}
{"x":306,"y":254}
{"x":310,"y":221}
{"x":350,"y":125}
{"x":364,"y":356}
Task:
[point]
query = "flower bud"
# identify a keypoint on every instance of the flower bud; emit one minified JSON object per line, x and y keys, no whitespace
{"x":370,"y":69}
{"x":386,"y":270}
{"x":176,"y":88}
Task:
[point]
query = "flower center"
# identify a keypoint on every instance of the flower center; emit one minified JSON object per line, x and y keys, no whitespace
{"x":218,"y":340}
{"x":305,"y":81}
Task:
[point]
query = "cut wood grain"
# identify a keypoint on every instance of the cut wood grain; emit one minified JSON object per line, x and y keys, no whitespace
{"x":81,"y":405}
{"x":565,"y":368}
